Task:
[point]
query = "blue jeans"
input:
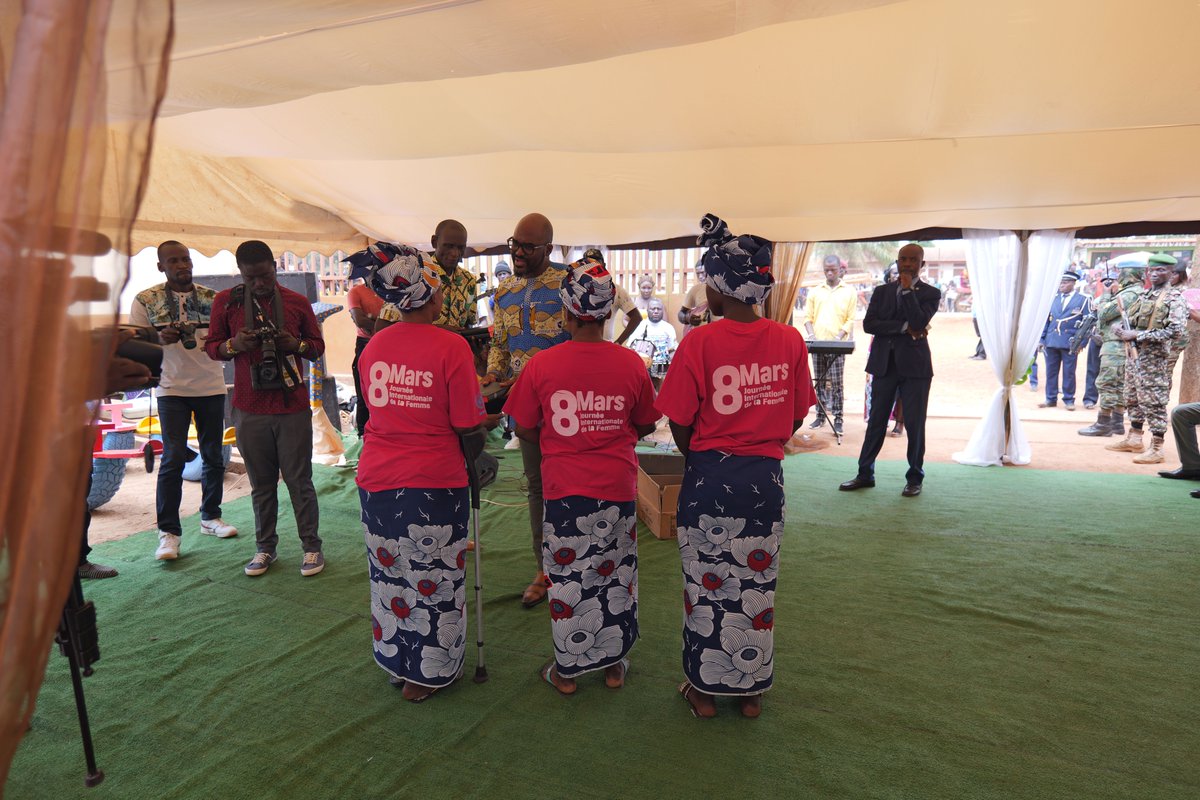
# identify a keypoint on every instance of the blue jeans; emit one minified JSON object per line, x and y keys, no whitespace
{"x":174,"y":416}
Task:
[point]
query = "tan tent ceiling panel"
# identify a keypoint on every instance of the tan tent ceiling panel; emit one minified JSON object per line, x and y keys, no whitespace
{"x":624,"y":121}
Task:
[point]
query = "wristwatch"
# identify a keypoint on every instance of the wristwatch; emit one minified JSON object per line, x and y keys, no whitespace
{"x":229,"y":351}
{"x":303,"y":348}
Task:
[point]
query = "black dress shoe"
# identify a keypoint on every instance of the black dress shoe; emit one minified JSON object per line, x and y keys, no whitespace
{"x":1195,"y":493}
{"x":911,"y":490}
{"x":856,"y":483}
{"x":1181,"y":474}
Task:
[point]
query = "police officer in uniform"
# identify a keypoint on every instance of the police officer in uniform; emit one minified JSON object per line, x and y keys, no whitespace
{"x":1066,"y":313}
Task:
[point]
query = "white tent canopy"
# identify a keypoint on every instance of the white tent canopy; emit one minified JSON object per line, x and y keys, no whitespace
{"x":313,"y":124}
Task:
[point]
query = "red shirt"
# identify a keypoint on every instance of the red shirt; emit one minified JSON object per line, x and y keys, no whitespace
{"x":591,"y":394}
{"x":298,"y":320}
{"x":740,"y":385}
{"x":364,"y":297}
{"x":420,"y":384}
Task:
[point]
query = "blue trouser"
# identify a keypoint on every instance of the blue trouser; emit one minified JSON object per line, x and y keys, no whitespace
{"x":1060,"y":359}
{"x":175,"y":416}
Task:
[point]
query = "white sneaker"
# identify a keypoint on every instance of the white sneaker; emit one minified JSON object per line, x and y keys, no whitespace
{"x":168,"y":547}
{"x":513,"y":444}
{"x":218,"y":528}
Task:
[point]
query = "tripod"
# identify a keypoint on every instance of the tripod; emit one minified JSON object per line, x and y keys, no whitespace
{"x":78,"y":640}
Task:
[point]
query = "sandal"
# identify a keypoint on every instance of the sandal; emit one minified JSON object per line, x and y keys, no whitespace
{"x":435,"y":689}
{"x":536,"y":591}
{"x":751,"y":706}
{"x":620,"y":681}
{"x":544,"y":672}
{"x":685,"y":690}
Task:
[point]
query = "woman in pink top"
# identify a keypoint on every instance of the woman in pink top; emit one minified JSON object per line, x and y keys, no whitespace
{"x":587,"y":402}
{"x":420,"y":383}
{"x":736,"y":391}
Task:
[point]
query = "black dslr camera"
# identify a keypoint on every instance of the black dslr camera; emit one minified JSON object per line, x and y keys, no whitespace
{"x":267,"y":373}
{"x":187,"y":334}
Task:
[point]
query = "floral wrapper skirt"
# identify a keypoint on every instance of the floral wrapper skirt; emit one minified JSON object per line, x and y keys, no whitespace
{"x":729,"y":526}
{"x":589,"y":552}
{"x":416,"y":546}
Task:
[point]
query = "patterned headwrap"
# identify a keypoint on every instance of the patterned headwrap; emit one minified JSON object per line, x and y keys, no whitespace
{"x":735,"y":266}
{"x":408,"y":280}
{"x":587,"y":290}
{"x":375,"y":255}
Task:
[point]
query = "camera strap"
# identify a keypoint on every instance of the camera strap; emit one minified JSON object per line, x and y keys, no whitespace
{"x":190,"y":305}
{"x":288,"y":364}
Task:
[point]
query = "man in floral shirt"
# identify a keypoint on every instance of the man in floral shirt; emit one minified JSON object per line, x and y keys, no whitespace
{"x":459,"y":310}
{"x":529,"y":319}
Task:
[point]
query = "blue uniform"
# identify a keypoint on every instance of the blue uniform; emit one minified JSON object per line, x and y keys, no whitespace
{"x":1066,"y":313}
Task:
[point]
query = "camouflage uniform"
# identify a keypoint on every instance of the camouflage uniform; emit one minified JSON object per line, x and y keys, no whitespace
{"x":1160,"y":318}
{"x":1111,"y":380}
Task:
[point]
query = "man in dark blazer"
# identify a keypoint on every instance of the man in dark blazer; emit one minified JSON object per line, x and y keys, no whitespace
{"x":898,"y":317}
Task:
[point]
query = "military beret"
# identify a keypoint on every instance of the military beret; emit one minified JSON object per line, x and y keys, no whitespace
{"x":1162,"y":260}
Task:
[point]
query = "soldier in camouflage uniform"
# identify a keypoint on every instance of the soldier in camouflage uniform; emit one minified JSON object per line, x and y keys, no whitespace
{"x":1110,"y":382}
{"x":1178,"y":280}
{"x":1157,"y":319}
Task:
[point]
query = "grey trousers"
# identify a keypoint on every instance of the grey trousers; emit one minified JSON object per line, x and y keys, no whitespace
{"x":1184,"y":419}
{"x":531,"y":459}
{"x":272,"y":444}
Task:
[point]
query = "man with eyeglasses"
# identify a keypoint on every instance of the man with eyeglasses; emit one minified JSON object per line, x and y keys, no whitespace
{"x":528,"y":319}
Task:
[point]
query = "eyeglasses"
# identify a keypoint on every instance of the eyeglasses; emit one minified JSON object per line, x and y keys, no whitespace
{"x":528,"y":247}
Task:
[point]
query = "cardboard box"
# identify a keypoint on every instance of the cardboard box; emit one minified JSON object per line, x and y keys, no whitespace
{"x":659,"y":476}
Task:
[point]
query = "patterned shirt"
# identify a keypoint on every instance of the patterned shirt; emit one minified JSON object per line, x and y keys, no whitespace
{"x":185,"y":372}
{"x":529,"y":319}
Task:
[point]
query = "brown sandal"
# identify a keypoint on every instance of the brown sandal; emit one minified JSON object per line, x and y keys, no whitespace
{"x":685,"y":691}
{"x":536,"y":591}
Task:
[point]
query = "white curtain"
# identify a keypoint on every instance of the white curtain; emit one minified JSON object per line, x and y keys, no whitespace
{"x":1013,"y":281}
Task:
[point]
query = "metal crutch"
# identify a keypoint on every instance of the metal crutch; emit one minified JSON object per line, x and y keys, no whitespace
{"x":472,"y":445}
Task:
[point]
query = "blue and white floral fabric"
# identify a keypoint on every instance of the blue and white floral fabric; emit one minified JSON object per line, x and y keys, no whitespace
{"x":729,"y":527}
{"x":416,"y":548}
{"x":589,"y":553}
{"x":735,"y":266}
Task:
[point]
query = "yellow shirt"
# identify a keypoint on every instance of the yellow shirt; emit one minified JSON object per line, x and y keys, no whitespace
{"x":831,"y":310}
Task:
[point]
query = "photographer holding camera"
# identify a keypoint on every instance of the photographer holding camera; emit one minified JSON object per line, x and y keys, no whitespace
{"x":266,"y":330}
{"x":191,"y":384}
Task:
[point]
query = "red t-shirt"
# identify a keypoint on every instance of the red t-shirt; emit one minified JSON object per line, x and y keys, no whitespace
{"x":587,"y":396}
{"x":298,"y":320}
{"x":740,"y":385}
{"x":364,"y":297}
{"x":420,"y":384}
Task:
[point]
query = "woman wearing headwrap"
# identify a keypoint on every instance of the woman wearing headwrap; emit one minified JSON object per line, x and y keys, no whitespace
{"x":587,"y":402}
{"x":737,"y":390}
{"x":420,"y":383}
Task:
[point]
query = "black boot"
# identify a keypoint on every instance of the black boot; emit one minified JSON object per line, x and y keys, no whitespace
{"x":1101,"y":427}
{"x":1118,"y":421}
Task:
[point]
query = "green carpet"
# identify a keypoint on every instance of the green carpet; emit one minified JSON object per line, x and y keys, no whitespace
{"x":1009,"y":634}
